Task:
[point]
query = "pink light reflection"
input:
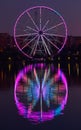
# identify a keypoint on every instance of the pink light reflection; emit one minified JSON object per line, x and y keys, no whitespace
{"x":31,"y":90}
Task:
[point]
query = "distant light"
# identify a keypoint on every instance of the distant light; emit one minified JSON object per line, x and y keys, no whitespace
{"x":9,"y":58}
{"x":58,"y":58}
{"x":69,"y":58}
{"x":77,"y":69}
{"x":23,"y":62}
{"x":69,"y":68}
{"x":1,"y":50}
{"x":58,"y":65}
{"x":77,"y":52}
{"x":9,"y":67}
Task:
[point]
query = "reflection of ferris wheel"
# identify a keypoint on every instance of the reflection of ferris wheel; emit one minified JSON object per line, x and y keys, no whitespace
{"x":40,"y":32}
{"x":40,"y":92}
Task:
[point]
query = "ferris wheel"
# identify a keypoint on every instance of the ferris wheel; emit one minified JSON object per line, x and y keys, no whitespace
{"x":40,"y":32}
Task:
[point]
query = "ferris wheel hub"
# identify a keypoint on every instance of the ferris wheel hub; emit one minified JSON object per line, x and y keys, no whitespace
{"x":40,"y":32}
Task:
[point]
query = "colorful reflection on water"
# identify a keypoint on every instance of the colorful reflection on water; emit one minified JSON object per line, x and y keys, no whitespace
{"x":40,"y":92}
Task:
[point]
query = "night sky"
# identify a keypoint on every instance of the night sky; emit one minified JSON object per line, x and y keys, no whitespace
{"x":69,"y":9}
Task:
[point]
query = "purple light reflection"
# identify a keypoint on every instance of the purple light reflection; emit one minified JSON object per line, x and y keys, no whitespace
{"x":40,"y":92}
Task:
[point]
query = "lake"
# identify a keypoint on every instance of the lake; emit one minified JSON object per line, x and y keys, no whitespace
{"x":30,"y":96}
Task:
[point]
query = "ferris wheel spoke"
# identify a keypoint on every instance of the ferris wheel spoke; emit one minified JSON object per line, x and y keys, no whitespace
{"x":29,"y":42}
{"x":36,"y":45}
{"x":53,"y":27}
{"x":25,"y":40}
{"x":45,"y":25}
{"x":34,"y":48}
{"x":44,"y":44}
{"x":22,"y":35}
{"x":56,"y":40}
{"x":33,"y":21}
{"x":45,"y":49}
{"x":51,"y":34}
{"x":51,"y":42}
{"x":40,"y":18}
{"x":30,"y":28}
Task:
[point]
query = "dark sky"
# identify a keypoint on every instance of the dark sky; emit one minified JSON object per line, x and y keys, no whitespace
{"x":69,"y":9}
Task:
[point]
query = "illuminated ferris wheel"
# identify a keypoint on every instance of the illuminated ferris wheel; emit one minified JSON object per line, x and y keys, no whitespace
{"x":40,"y":32}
